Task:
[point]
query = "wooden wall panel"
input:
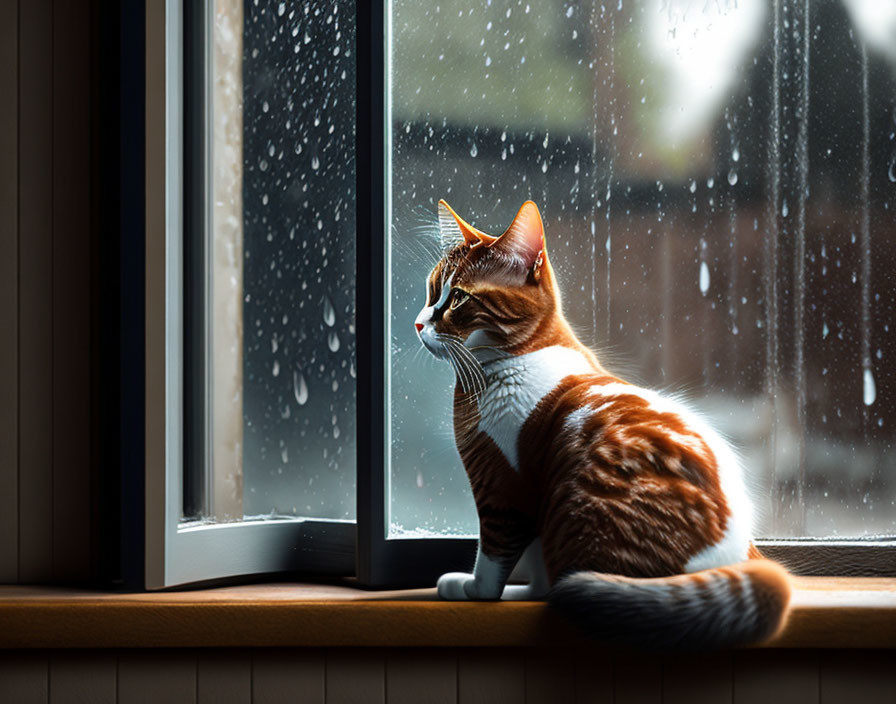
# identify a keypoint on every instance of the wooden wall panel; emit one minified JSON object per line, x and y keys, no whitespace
{"x":421,"y":676}
{"x":356,"y":676}
{"x":35,"y":291}
{"x":858,"y":677}
{"x":443,"y":676}
{"x":763,"y":676}
{"x":224,"y":677}
{"x":9,"y":294}
{"x":24,"y":678}
{"x":79,"y":677}
{"x":288,"y":677}
{"x":594,"y":676}
{"x":152,"y":676}
{"x":706,"y":679}
{"x":638,"y":679}
{"x":550,"y":676}
{"x":491,"y":676}
{"x":71,"y":290}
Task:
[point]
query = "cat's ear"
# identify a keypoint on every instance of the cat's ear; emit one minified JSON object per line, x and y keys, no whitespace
{"x":453,"y":227}
{"x":525,"y":237}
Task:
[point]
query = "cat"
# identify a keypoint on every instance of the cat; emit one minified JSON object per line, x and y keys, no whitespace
{"x":629,"y":510}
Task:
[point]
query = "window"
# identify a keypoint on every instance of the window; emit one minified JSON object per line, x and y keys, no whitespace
{"x":717,"y":182}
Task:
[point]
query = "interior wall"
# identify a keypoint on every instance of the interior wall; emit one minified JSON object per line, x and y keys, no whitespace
{"x":46,"y":187}
{"x":444,"y":676}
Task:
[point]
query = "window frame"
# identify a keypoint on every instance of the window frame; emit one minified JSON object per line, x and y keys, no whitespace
{"x":175,"y":555}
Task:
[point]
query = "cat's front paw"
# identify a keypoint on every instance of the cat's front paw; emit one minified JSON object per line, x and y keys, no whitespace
{"x":453,"y":586}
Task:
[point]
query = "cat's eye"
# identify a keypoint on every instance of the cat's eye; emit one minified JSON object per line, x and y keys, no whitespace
{"x":458,"y":298}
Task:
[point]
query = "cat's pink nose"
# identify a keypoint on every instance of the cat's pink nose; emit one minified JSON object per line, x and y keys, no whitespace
{"x":419,"y":326}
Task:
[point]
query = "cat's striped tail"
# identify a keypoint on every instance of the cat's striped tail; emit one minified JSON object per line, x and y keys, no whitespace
{"x":717,"y":608}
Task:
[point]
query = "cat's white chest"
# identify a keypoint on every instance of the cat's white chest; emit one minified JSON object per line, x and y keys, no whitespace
{"x":515,"y":386}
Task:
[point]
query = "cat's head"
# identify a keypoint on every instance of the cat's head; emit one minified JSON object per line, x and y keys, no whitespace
{"x":488,"y":294}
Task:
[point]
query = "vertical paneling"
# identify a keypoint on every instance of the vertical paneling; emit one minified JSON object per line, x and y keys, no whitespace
{"x":152,"y":676}
{"x":71,"y":290}
{"x":550,"y":676}
{"x":852,"y":676}
{"x":490,"y":676}
{"x":224,"y":677}
{"x":356,"y":676}
{"x":763,"y":676}
{"x":23,"y":678}
{"x":35,"y":290}
{"x":9,"y":295}
{"x":421,"y":676}
{"x":593,"y":676}
{"x":637,"y":679}
{"x":288,"y":677}
{"x":708,"y":679}
{"x":79,"y":677}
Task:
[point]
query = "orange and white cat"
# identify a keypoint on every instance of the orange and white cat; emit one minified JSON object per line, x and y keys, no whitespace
{"x":630,"y":511}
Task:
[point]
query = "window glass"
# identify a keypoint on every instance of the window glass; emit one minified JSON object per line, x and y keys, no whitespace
{"x":281,"y":260}
{"x":717,"y":183}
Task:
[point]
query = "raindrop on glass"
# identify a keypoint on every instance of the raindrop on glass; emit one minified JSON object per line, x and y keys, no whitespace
{"x":333,"y":341}
{"x":732,"y":177}
{"x":704,"y":278}
{"x":299,"y":388}
{"x":329,"y":312}
{"x":869,"y":390}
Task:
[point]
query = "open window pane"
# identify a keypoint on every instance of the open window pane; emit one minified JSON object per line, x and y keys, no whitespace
{"x":279,"y":341}
{"x":717,"y":184}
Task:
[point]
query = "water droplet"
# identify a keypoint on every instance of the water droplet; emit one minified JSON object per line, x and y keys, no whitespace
{"x":284,"y":454}
{"x":285,"y":412}
{"x":275,"y":370}
{"x":569,"y":11}
{"x":315,"y":163}
{"x":784,"y":210}
{"x":693,"y":187}
{"x":336,"y":432}
{"x":825,"y":331}
{"x":329,"y":312}
{"x":735,"y":155}
{"x":869,"y":390}
{"x":474,"y":150}
{"x":544,"y":166}
{"x":732,"y":177}
{"x":299,"y":387}
{"x":891,"y":172}
{"x":333,"y":341}
{"x":710,"y":182}
{"x":488,"y":60}
{"x":704,"y":278}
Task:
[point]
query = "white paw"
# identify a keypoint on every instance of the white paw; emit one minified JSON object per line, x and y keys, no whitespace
{"x":452,"y":586}
{"x":523,"y":592}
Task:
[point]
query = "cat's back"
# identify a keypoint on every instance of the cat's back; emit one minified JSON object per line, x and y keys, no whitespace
{"x":642,"y":464}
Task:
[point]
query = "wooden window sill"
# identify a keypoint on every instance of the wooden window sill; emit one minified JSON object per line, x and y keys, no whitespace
{"x":826,"y":613}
